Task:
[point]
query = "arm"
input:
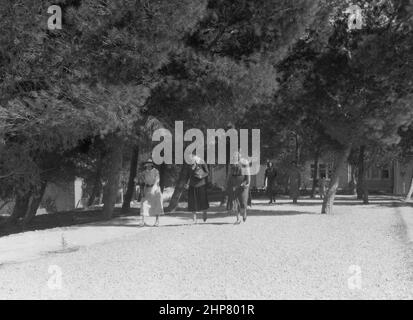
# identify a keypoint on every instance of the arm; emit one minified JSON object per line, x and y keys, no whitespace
{"x":205,"y":168}
{"x":139,"y":178}
{"x":157,"y":177}
{"x":186,"y":175}
{"x":227,"y":179}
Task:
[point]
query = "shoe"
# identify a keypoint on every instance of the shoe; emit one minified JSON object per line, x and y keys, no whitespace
{"x":244,"y":217}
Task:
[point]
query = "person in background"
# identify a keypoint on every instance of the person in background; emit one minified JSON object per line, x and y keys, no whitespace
{"x":197,"y":188}
{"x":238,"y":187}
{"x":151,"y":202}
{"x":294,"y":182}
{"x":249,"y":190}
{"x":270,"y":183}
{"x":322,"y":185}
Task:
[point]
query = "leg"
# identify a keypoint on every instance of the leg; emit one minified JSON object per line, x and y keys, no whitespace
{"x":156,"y":221}
{"x":142,"y":224}
{"x":238,"y":221}
{"x":244,"y":216}
{"x":204,"y":216}
{"x":194,"y":218}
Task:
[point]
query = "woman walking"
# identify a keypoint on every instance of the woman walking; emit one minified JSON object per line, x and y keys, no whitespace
{"x":270,"y":183}
{"x":238,"y":187}
{"x":322,"y":185}
{"x":151,"y":203}
{"x":197,"y":191}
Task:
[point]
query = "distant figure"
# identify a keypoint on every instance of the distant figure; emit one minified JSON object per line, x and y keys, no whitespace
{"x":322,"y":185}
{"x":197,"y":191}
{"x":238,"y":187}
{"x":294,"y":182}
{"x":151,"y":203}
{"x":270,"y":183}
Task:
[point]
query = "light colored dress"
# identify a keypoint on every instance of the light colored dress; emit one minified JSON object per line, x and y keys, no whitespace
{"x":151,"y":203}
{"x":238,"y":186}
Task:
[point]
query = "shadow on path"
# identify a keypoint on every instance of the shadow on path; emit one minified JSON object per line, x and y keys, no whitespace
{"x":79,"y":219}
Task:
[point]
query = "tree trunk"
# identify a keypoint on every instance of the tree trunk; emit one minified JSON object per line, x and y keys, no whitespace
{"x":353,"y":182}
{"x":362,"y":188}
{"x":297,"y":149}
{"x":179,"y":189}
{"x":113,"y":166}
{"x":34,"y":204}
{"x":409,"y":194}
{"x":224,"y":199}
{"x":97,"y":183}
{"x":20,"y":207}
{"x":328,"y":201}
{"x":360,"y":173}
{"x":131,"y":182}
{"x":316,"y":159}
{"x":365,"y":193}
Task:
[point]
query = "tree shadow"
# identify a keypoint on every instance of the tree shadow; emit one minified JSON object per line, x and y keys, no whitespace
{"x":197,"y":224}
{"x":388,"y":201}
{"x":94,"y":217}
{"x":251,"y":212}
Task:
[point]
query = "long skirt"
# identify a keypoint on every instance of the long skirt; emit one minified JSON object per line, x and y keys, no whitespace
{"x":272,"y":188}
{"x":238,"y":198}
{"x":151,"y":203}
{"x":198,"y":199}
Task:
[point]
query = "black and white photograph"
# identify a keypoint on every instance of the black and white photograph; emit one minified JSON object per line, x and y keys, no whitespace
{"x":233,"y":151}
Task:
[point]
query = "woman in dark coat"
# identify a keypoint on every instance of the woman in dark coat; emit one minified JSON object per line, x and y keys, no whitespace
{"x":270,"y":183}
{"x":238,"y":188}
{"x":197,"y":191}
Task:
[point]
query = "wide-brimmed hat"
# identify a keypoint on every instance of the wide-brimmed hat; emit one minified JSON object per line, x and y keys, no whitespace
{"x":149,"y":161}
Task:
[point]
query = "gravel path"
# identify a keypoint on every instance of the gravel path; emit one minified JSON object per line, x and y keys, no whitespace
{"x":282,"y":252}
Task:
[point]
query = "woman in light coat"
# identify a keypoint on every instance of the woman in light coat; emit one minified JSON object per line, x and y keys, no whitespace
{"x":151,"y":203}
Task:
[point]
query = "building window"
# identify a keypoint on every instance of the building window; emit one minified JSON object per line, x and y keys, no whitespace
{"x":312,"y":171}
{"x":376,"y":173}
{"x":385,"y":174}
{"x":324,"y":170}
